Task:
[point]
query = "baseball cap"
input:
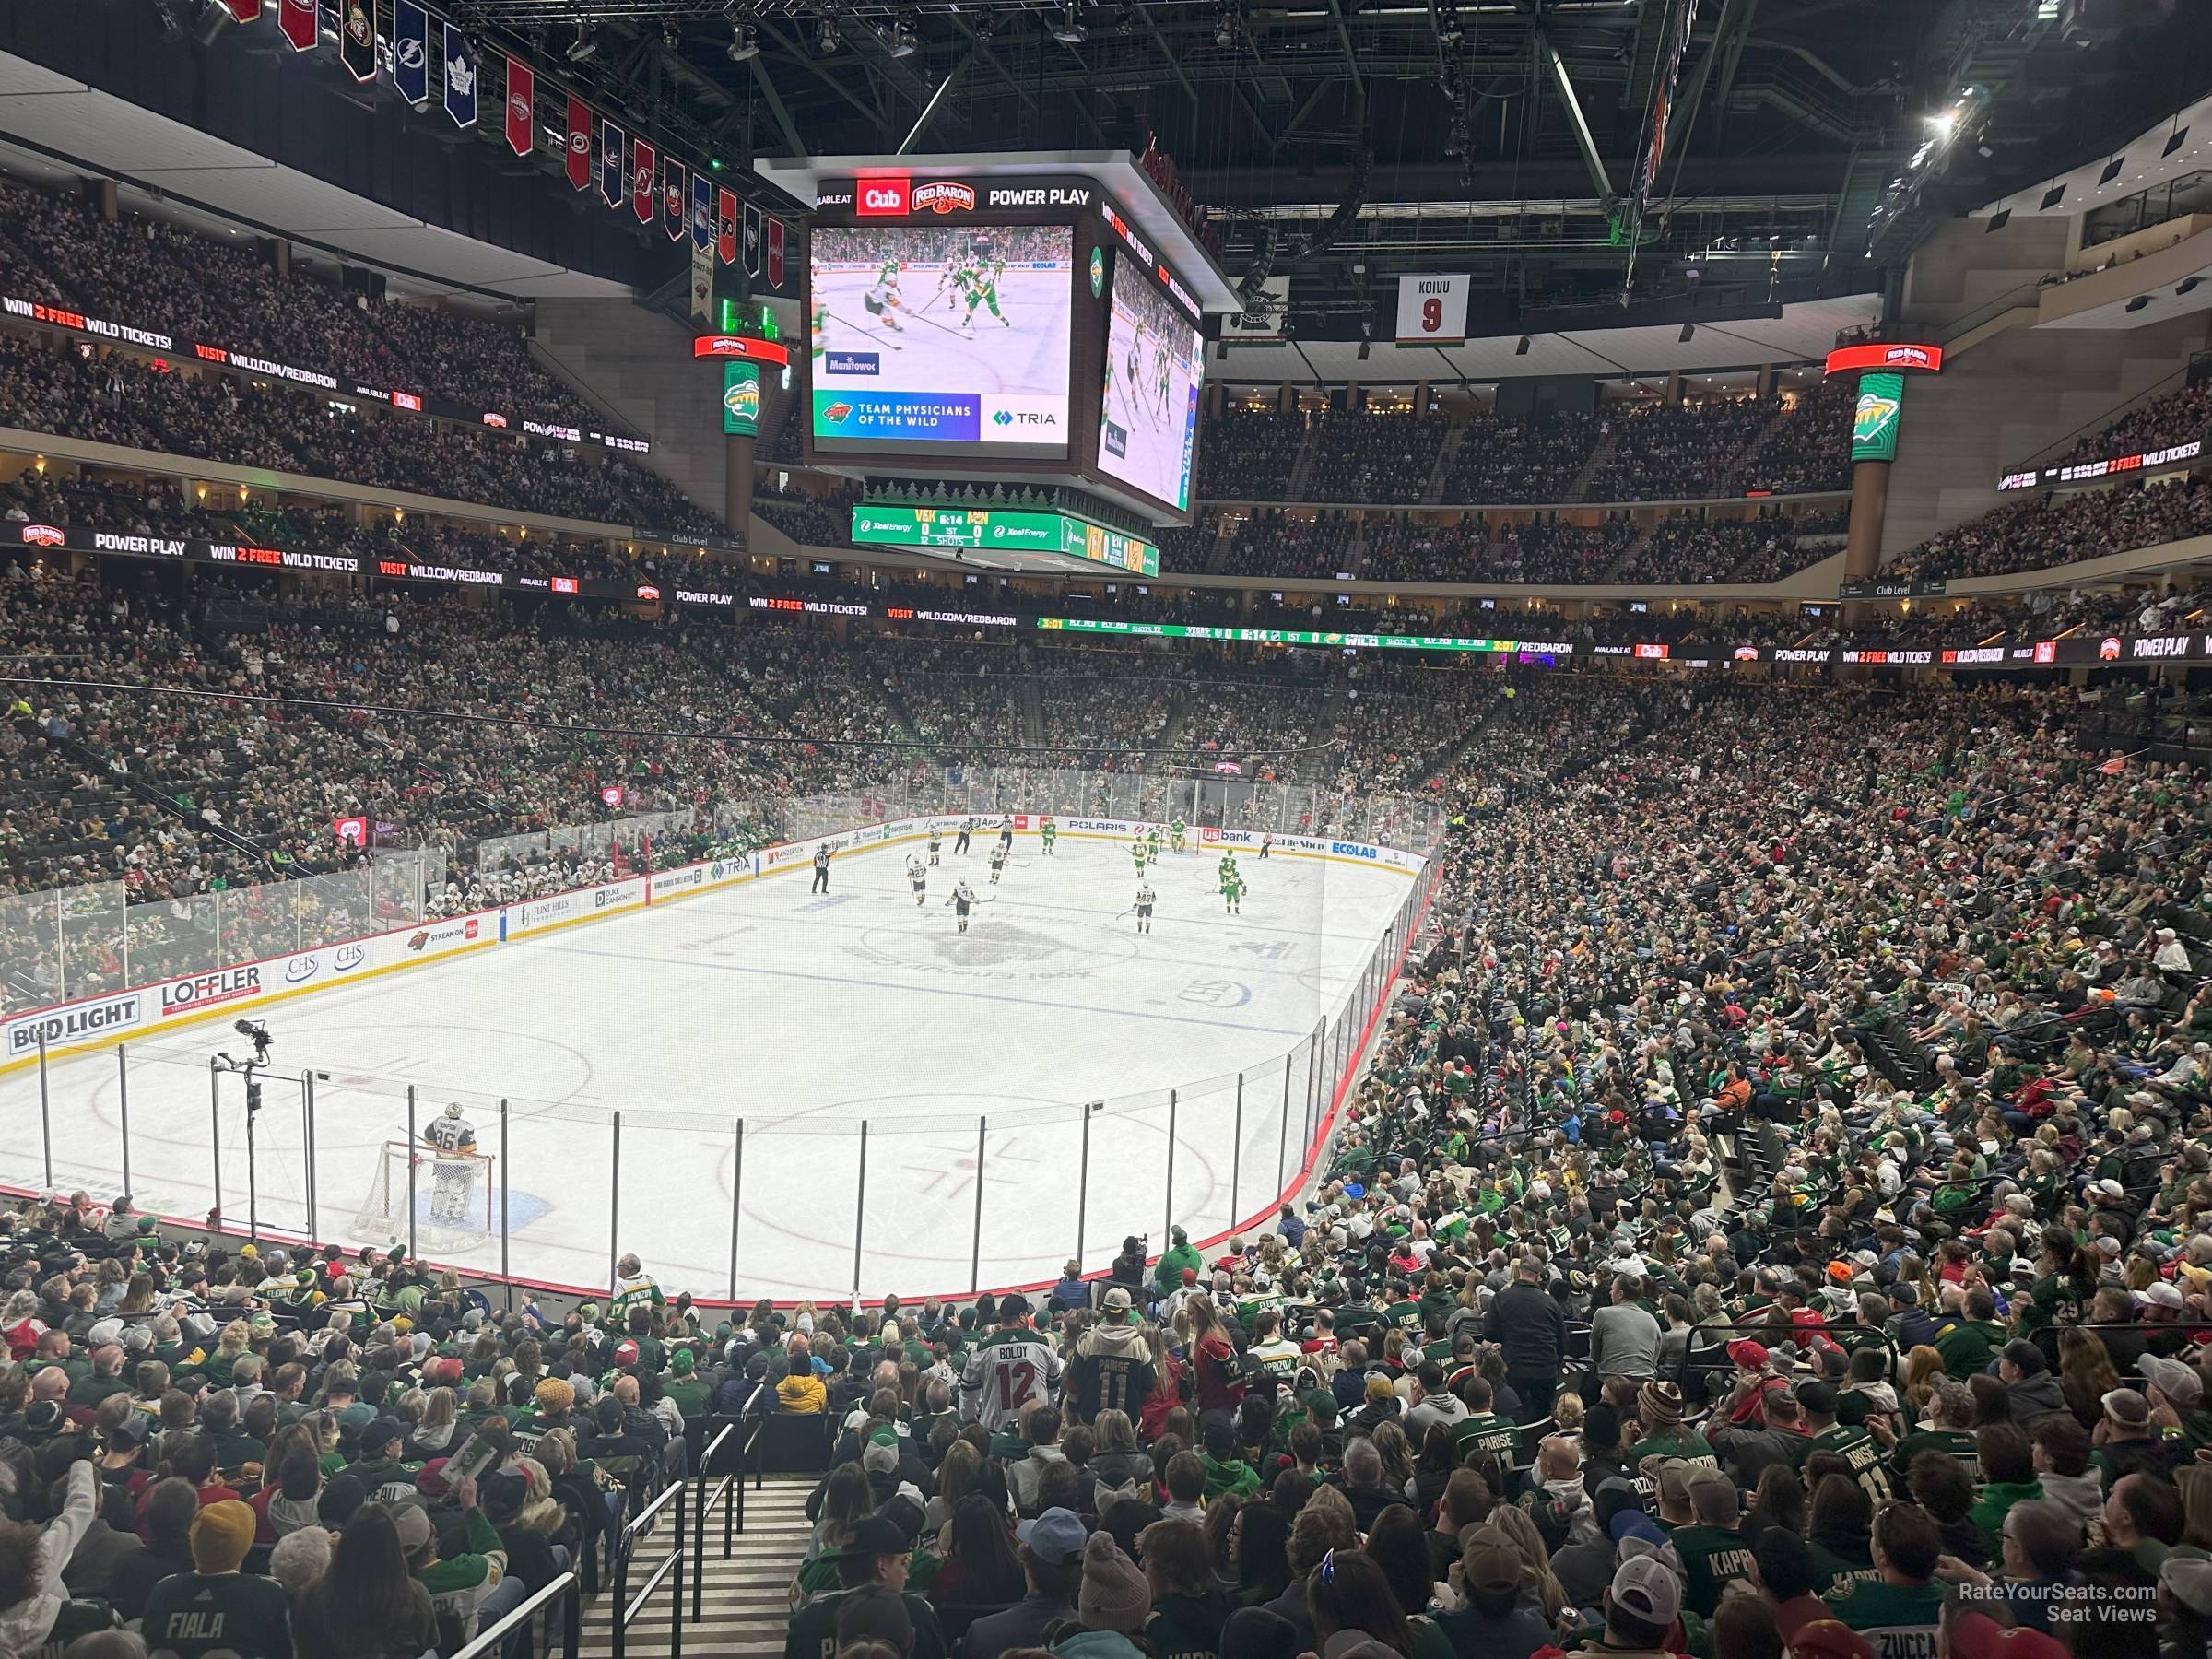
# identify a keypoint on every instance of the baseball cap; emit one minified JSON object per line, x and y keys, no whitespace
{"x":875,"y":1536}
{"x":382,"y":1432}
{"x":1490,"y":1565}
{"x":413,"y":1524}
{"x":1748,"y":1354}
{"x":1978,"y":1636}
{"x":1117,"y":1300}
{"x":2126,"y":1408}
{"x":1057,"y":1536}
{"x":1673,"y":1480}
{"x":2183,"y":1385}
{"x":1643,"y":1587}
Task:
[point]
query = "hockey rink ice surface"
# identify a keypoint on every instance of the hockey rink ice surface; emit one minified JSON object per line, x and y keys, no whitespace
{"x":804,"y":1015}
{"x":1027,"y":353}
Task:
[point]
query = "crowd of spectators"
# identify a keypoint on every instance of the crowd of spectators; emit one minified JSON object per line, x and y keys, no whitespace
{"x":147,"y":274}
{"x":1674,"y":452}
{"x":114,"y":398}
{"x":1248,"y":455}
{"x":1371,"y":455}
{"x":2159,"y":423}
{"x":1503,"y":458}
{"x":2064,"y":528}
{"x":1685,"y":549}
{"x":1808,"y":449}
{"x":1294,"y":546}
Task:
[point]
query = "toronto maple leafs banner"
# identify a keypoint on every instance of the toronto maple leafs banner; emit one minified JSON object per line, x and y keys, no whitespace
{"x":357,"y":38}
{"x":612,"y":141}
{"x":411,"y":51}
{"x":460,"y":77}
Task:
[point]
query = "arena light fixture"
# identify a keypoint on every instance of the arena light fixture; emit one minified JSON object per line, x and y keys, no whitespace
{"x":1068,"y":29}
{"x":827,"y":42}
{"x":745,"y":43}
{"x":586,"y":47}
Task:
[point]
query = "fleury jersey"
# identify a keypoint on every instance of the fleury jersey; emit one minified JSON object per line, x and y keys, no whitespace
{"x":1005,"y":1374}
{"x":450,"y":1137}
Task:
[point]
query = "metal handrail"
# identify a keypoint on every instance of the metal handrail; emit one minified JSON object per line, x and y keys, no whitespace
{"x":628,"y":1608}
{"x":488,"y":1642}
{"x":729,"y":1492}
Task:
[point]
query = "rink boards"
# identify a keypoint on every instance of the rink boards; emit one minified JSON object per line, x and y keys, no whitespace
{"x":88,"y":1024}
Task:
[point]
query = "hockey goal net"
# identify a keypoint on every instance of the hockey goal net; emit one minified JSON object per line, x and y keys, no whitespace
{"x":451,"y":1195}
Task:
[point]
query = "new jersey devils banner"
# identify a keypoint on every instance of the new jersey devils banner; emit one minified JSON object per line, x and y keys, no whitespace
{"x":672,"y":197}
{"x":297,"y":19}
{"x":579,"y":144}
{"x":522,"y":104}
{"x":460,"y":77}
{"x":611,"y":149}
{"x":411,"y":51}
{"x":725,"y":239}
{"x":775,"y":252}
{"x":357,"y":38}
{"x":644,"y":182}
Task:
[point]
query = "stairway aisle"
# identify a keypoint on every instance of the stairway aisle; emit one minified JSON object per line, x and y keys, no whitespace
{"x":747,"y":1605}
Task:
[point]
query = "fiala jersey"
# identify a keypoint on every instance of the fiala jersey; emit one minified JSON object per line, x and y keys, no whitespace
{"x":1006,"y":1372}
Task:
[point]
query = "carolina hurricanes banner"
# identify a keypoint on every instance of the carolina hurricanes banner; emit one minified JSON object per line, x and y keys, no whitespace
{"x":357,"y":38}
{"x":297,"y":19}
{"x":411,"y":51}
{"x":245,"y":11}
{"x":579,"y":144}
{"x":611,"y":143}
{"x":460,"y":77}
{"x":775,"y":252}
{"x":522,"y":104}
{"x":644,"y":182}
{"x":672,"y":197}
{"x":725,"y":238}
{"x":752,"y":239}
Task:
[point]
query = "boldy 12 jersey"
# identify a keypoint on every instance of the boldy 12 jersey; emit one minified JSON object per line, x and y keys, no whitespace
{"x":1006,"y":1372}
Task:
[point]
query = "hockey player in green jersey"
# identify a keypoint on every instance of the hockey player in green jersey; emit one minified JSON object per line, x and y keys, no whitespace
{"x":1152,"y":844}
{"x":1050,"y":832}
{"x":1232,"y":890}
{"x":1136,"y":854}
{"x":1175,"y":835}
{"x":983,"y":289}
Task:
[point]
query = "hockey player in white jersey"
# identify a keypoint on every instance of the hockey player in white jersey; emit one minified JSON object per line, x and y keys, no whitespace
{"x":453,"y":1142}
{"x":1015,"y":1365}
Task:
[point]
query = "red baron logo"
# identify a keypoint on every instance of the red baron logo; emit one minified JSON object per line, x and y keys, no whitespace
{"x":740,"y":345}
{"x":1907,"y":356}
{"x":649,"y":592}
{"x":495,"y":420}
{"x":2108,"y":650}
{"x":945,"y":198}
{"x":880,"y":198}
{"x":43,"y":535}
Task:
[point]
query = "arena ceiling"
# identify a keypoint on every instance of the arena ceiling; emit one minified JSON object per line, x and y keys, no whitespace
{"x":1503,"y":136}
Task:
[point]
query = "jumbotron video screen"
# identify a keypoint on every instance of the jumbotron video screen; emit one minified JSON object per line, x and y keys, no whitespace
{"x":1155,"y":369}
{"x":941,"y":339}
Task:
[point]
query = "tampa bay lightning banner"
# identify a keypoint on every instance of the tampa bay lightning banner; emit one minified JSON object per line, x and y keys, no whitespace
{"x":411,"y":51}
{"x":702,"y":211}
{"x":460,"y":77}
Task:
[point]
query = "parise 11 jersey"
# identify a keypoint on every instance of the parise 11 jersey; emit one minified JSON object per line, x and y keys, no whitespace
{"x":1005,"y":1374}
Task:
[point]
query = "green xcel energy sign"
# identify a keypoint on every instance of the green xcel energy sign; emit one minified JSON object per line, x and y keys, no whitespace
{"x":992,"y":529}
{"x":1874,"y":425}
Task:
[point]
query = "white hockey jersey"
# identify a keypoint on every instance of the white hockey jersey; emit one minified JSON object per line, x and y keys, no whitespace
{"x":1005,"y":1374}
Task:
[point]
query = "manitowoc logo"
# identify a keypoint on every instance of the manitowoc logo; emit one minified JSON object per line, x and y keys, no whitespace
{"x":944,"y":198}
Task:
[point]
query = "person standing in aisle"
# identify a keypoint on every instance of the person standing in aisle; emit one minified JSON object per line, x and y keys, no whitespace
{"x":822,"y":870}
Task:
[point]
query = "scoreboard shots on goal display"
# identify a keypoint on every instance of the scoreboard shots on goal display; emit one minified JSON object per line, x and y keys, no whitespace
{"x":1000,"y":321}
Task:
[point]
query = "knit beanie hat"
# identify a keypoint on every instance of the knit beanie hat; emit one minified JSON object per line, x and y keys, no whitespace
{"x":553,"y":1395}
{"x":219,"y":1536}
{"x":1115,"y":1595}
{"x":1658,"y":1403}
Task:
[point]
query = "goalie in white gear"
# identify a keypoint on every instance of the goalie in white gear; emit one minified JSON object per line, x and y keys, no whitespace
{"x":453,"y":1142}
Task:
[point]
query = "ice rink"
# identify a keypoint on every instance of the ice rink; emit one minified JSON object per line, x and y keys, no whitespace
{"x":1024,"y":355}
{"x":804,"y":1015}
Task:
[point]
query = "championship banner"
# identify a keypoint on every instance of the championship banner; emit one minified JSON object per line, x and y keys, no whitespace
{"x":244,"y":11}
{"x":579,"y":144}
{"x":411,"y":51}
{"x":672,"y":197}
{"x":1874,"y":423}
{"x":752,"y":239}
{"x":297,"y":19}
{"x":611,"y":141}
{"x":643,"y":180}
{"x":725,"y":239}
{"x":460,"y":77}
{"x":1432,"y":309}
{"x":357,"y":38}
{"x":521,"y":106}
{"x":775,"y":252}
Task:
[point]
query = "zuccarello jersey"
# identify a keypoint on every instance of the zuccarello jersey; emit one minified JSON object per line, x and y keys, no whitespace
{"x":1898,"y":1620}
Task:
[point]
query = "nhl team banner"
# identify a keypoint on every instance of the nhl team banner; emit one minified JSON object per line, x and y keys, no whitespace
{"x":752,"y":239}
{"x":702,"y":212}
{"x":357,"y":38}
{"x":775,"y":252}
{"x":644,"y":186}
{"x":245,"y":11}
{"x":297,"y":19}
{"x":522,"y":104}
{"x":672,"y":197}
{"x":579,"y":160}
{"x":612,"y":143}
{"x":725,"y":238}
{"x":411,"y":51}
{"x":460,"y":77}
